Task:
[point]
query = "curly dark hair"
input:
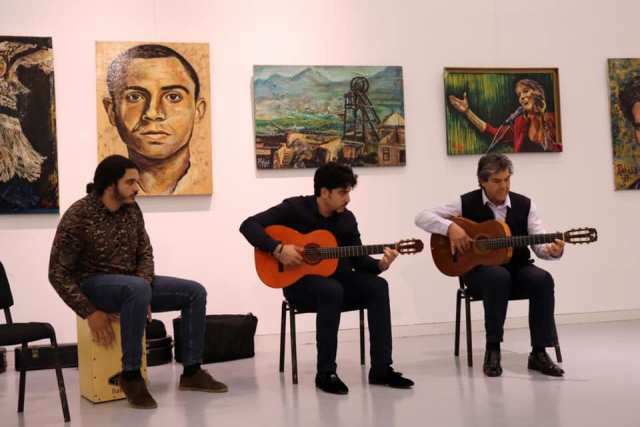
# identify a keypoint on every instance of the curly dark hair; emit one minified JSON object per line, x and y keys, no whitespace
{"x":108,"y":172}
{"x":333,"y":175}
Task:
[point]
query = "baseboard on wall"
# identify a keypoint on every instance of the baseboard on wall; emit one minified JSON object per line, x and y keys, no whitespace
{"x":400,"y":331}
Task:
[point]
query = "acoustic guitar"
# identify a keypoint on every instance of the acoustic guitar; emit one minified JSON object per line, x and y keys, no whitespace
{"x":493,"y":244}
{"x":320,"y":255}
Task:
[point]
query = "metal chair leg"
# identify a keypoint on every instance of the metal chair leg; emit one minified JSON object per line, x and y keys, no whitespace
{"x":456,"y":346}
{"x":362,"y":337}
{"x":23,"y":377}
{"x":283,"y":321}
{"x":61,"y":388}
{"x":557,"y":343}
{"x":294,"y":357}
{"x":558,"y":353}
{"x":467,"y":304}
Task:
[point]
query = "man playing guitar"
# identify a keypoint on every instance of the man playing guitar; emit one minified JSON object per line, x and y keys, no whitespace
{"x":494,"y":284}
{"x":355,"y":282}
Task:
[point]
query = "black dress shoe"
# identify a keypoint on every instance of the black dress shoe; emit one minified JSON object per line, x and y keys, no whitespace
{"x":541,"y":362}
{"x":330,"y":382}
{"x":491,"y":366}
{"x":390,"y":378}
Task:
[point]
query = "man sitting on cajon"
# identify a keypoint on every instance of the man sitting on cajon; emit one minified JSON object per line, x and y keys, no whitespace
{"x":102,"y":266}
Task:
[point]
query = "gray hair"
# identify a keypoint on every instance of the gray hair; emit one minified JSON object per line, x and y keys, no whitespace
{"x":492,"y":163}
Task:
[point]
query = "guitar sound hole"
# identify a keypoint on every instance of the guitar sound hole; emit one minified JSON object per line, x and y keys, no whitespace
{"x":312,"y":254}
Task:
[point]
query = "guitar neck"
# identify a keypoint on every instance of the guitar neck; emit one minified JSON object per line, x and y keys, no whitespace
{"x":520,"y":241}
{"x":349,"y":251}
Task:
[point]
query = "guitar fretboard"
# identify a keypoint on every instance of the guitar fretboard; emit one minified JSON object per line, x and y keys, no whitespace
{"x":349,"y":251}
{"x":520,"y":241}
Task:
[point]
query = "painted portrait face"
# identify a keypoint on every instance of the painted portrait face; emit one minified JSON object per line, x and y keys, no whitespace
{"x":154,"y":107}
{"x":635,"y":112}
{"x":529,"y":98}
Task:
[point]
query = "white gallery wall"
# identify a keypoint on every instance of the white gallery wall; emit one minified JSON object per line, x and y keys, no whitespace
{"x":198,"y":238}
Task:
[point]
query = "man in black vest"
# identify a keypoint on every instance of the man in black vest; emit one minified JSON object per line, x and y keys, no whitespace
{"x":494,"y":284}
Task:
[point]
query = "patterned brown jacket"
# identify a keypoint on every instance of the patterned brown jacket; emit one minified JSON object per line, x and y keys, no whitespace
{"x":90,"y":240}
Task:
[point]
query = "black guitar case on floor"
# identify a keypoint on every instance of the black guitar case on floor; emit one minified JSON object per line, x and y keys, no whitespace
{"x":158,"y":344}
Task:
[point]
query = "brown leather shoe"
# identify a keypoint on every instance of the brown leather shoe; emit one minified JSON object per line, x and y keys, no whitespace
{"x":137,"y":393}
{"x":202,"y":381}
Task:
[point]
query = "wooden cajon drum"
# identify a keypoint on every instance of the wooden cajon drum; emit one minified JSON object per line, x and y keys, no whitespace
{"x":99,"y":366}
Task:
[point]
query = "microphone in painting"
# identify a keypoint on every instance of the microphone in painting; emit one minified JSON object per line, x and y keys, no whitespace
{"x":513,"y":116}
{"x":503,"y":129}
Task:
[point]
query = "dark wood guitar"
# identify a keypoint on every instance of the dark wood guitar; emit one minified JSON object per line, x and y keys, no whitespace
{"x":321,"y":253}
{"x":493,"y":244}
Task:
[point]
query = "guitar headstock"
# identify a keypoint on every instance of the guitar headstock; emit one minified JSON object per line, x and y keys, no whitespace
{"x":409,"y":246}
{"x":581,"y":235}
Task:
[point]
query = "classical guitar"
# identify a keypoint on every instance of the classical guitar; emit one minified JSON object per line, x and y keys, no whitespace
{"x":493,"y":244}
{"x":321,"y":253}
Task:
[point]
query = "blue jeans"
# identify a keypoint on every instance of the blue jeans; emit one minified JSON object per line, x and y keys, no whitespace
{"x":131,"y":296}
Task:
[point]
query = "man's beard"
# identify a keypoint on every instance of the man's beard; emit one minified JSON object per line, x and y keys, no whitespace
{"x":121,"y":198}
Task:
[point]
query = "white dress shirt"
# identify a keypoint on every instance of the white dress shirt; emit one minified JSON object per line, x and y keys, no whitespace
{"x":437,"y":220}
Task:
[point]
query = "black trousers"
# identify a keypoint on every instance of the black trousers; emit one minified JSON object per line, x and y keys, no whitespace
{"x":495,"y":285}
{"x":327,"y":296}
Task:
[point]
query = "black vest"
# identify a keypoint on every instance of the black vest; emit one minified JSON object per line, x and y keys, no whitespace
{"x":516,"y":219}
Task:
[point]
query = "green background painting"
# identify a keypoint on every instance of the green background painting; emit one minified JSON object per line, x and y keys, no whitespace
{"x":626,"y":152}
{"x":306,"y":116}
{"x":312,"y":97}
{"x":491,"y":95}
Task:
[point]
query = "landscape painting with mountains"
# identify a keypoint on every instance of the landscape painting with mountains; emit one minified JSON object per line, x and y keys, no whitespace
{"x":306,"y":116}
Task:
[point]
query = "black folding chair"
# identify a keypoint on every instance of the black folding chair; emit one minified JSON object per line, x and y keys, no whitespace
{"x":23,"y":333}
{"x":463,"y":294}
{"x":286,"y":306}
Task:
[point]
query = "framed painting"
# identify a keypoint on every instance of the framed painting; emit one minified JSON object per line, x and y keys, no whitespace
{"x":306,"y":116}
{"x":624,"y":96}
{"x":152,"y":104}
{"x":28,"y":150}
{"x":509,"y":110}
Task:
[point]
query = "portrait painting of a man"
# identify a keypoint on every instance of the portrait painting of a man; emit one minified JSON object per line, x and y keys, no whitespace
{"x":153,"y":108}
{"x":624,"y":94}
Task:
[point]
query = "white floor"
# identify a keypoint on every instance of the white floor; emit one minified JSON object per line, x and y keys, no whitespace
{"x":601,"y":388}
